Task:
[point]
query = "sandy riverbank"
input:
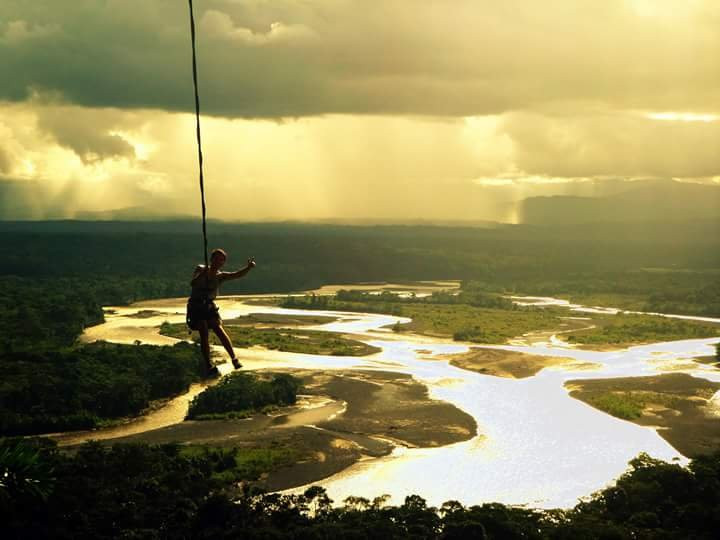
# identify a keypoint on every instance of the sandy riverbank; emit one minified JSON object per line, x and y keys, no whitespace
{"x":678,"y":404}
{"x":392,"y":405}
{"x":366,"y":415}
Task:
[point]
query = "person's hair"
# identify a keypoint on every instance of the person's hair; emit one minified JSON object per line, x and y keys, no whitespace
{"x":217,"y":251}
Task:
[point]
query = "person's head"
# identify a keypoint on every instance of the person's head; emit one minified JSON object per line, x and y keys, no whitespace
{"x":217,"y":258}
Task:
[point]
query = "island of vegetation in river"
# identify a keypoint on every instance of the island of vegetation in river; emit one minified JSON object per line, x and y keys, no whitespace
{"x":623,"y":329}
{"x":482,"y":317}
{"x":478,"y":317}
{"x":282,"y":339}
{"x":239,"y":395}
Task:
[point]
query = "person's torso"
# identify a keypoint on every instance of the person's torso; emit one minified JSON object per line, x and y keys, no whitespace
{"x":206,"y":287}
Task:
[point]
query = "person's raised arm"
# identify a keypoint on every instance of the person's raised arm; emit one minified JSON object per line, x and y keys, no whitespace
{"x":240,"y":273}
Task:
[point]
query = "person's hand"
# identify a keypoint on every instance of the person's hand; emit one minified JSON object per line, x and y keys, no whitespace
{"x":251,"y":262}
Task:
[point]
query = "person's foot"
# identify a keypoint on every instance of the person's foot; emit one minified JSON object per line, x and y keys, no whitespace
{"x":211,"y":372}
{"x":236,"y":363}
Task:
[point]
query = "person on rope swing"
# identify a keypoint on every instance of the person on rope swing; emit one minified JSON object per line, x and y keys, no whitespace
{"x":202,"y":313}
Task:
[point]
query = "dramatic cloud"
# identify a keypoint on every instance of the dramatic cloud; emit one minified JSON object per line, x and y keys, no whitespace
{"x":613,"y":143}
{"x":89,"y":133}
{"x":337,"y":108}
{"x":311,"y":168}
{"x":289,"y":58}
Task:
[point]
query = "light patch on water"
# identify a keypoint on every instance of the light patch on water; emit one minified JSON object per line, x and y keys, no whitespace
{"x":537,"y":445}
{"x":545,"y":301}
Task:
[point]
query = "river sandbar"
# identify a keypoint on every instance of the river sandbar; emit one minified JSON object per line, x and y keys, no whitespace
{"x":510,"y":364}
{"x":675,"y":403}
{"x":392,"y":405}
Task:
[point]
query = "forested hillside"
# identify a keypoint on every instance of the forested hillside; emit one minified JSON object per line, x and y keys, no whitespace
{"x":671,"y":266}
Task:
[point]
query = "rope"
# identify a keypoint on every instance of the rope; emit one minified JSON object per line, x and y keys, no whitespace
{"x":197,"y":133}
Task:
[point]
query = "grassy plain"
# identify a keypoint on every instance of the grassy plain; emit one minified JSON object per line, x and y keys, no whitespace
{"x":630,"y":302}
{"x":479,"y":325}
{"x":281,"y":320}
{"x":630,"y":405}
{"x":282,"y":339}
{"x":625,"y":329}
{"x":464,"y":322}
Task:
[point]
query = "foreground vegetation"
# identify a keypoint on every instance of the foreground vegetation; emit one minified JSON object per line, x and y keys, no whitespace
{"x":232,"y":464}
{"x":240,"y":394}
{"x":139,"y":491}
{"x":82,"y":387}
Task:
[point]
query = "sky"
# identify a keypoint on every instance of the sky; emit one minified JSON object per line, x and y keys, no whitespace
{"x":372,"y":109}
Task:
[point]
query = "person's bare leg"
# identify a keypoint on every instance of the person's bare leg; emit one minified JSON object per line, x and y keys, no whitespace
{"x":225,"y":340}
{"x":205,"y":343}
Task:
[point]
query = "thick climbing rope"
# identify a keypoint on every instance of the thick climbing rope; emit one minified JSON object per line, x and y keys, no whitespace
{"x":197,"y":133}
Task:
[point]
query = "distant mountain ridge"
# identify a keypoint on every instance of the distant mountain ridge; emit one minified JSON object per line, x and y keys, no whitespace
{"x":649,"y":201}
{"x":132,"y":213}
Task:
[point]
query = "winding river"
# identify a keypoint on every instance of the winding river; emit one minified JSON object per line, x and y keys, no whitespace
{"x":535,"y":445}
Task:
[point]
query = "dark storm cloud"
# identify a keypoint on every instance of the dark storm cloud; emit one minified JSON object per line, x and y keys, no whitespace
{"x":289,"y":58}
{"x":86,"y":132}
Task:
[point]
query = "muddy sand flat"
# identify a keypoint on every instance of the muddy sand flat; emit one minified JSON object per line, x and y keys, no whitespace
{"x":392,"y":405}
{"x":510,"y":364}
{"x":368,"y":413}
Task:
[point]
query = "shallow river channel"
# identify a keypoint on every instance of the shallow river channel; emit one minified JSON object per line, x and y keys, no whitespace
{"x":535,"y":445}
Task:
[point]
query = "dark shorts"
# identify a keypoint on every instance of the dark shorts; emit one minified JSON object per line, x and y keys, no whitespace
{"x":201,"y":310}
